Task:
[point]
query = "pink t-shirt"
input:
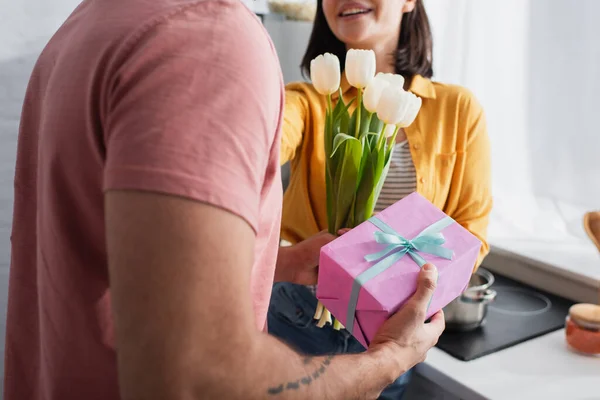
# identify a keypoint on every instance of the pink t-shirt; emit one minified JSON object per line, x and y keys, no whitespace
{"x":173,"y":96}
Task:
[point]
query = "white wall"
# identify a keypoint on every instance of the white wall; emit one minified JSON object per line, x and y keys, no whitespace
{"x":484,"y":46}
{"x":564,"y":101}
{"x":535,"y":66}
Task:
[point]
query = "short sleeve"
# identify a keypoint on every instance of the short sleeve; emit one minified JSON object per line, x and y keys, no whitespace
{"x":193,"y":110}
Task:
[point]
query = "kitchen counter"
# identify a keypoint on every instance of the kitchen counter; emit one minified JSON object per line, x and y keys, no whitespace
{"x":543,"y":368}
{"x":545,"y":247}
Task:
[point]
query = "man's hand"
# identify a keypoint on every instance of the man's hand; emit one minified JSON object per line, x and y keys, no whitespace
{"x":299,"y":263}
{"x":405,"y":335}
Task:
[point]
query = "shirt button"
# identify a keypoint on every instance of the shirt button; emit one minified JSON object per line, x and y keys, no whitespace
{"x":422,"y":180}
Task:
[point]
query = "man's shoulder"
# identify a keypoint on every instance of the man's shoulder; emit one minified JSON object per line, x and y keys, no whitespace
{"x":223,"y":26}
{"x":128,"y":21}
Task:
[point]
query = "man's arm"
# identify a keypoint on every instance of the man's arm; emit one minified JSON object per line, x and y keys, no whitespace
{"x":183,"y":315}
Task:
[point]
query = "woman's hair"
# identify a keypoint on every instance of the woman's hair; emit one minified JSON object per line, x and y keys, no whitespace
{"x":414,"y":55}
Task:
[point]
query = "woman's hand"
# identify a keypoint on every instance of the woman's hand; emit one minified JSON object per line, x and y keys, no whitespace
{"x":298,"y":263}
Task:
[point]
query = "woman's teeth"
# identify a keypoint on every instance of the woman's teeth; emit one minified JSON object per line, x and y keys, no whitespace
{"x":354,"y":11}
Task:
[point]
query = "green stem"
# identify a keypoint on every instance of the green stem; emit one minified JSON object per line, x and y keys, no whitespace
{"x":328,"y":167}
{"x":330,"y":122}
{"x":392,"y":142}
{"x":369,"y":117}
{"x":381,"y":138}
{"x":394,"y":136}
{"x":358,"y":109}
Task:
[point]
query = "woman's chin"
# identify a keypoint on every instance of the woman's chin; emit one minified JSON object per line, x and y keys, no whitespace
{"x":355,"y":39}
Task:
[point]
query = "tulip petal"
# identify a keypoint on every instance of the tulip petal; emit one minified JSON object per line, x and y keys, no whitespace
{"x":373,"y":92}
{"x":395,"y":80}
{"x":412,"y":112}
{"x":395,"y":105}
{"x":333,"y":72}
{"x":360,"y":67}
{"x":325,"y":73}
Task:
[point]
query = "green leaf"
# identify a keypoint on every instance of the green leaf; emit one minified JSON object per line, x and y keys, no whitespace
{"x":344,"y":122}
{"x":339,"y":139}
{"x":364,"y":158}
{"x":341,"y":109}
{"x":376,"y":124}
{"x":350,"y":222}
{"x":365,"y":121}
{"x":338,"y":109}
{"x":381,"y":170}
{"x":330,"y":199}
{"x":371,"y":184}
{"x":388,"y":153}
{"x":328,"y":134}
{"x":346,"y":180}
{"x":365,"y":190}
{"x":340,"y":119}
{"x":352,"y":123}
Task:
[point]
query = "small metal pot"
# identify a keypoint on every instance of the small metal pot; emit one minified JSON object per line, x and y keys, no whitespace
{"x":468,"y":311}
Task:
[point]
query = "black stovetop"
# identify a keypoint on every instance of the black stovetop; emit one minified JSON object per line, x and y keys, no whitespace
{"x":519,"y":313}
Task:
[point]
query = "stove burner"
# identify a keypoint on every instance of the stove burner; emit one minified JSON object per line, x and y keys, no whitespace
{"x":519,"y":302}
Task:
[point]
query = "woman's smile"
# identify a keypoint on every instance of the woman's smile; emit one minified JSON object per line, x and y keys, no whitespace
{"x":353,"y":10}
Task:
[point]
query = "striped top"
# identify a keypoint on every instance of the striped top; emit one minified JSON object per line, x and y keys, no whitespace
{"x":400,"y":181}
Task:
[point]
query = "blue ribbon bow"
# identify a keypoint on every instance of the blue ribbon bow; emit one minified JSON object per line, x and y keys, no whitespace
{"x":429,"y":241}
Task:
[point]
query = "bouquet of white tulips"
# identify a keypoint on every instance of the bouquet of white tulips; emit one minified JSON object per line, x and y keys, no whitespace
{"x":358,"y":145}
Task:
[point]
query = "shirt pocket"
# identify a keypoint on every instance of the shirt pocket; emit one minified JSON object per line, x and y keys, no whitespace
{"x":443,"y":174}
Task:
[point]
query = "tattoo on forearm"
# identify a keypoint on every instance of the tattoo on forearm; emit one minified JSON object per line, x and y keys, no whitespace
{"x":305,"y":380}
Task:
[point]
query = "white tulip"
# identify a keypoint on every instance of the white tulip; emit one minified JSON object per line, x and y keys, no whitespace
{"x":360,"y":67}
{"x":398,"y":107}
{"x":373,"y":92}
{"x":413,"y":110}
{"x":325,"y":73}
{"x":389,"y":130}
{"x":394,"y":79}
{"x":392,"y":106}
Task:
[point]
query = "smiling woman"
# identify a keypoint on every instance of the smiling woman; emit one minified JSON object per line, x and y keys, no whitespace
{"x":404,"y":48}
{"x":443,"y":154}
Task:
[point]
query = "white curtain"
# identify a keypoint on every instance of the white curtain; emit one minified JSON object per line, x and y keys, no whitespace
{"x":535,"y":67}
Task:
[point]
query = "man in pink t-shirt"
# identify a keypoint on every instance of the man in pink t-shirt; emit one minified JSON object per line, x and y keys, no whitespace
{"x":146,"y":218}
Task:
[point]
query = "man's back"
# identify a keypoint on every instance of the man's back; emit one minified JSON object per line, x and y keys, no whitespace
{"x":132,"y":95}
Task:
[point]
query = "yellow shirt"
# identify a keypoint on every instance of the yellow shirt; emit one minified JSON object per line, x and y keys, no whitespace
{"x":448,"y":142}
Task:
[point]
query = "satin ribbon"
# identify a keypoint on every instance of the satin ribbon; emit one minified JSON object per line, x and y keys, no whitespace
{"x":429,"y":241}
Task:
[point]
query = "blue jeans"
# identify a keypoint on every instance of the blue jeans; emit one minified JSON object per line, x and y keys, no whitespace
{"x":290,"y":318}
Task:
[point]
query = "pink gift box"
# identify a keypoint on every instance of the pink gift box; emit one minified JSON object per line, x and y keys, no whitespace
{"x":343,"y":260}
